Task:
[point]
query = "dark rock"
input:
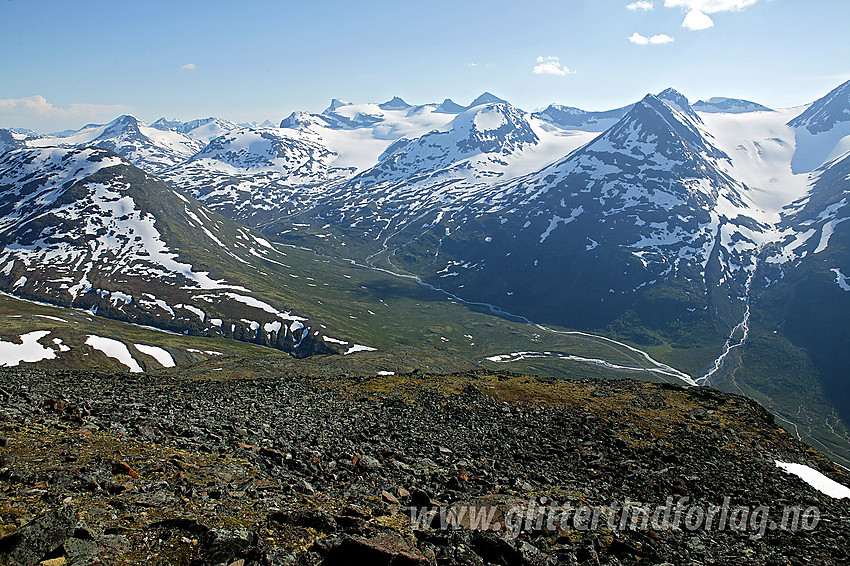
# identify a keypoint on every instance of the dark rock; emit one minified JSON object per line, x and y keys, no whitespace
{"x":305,"y":487}
{"x":312,"y":518}
{"x":31,"y":543}
{"x":385,"y":549}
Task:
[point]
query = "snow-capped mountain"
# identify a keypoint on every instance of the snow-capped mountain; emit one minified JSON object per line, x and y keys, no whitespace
{"x":255,"y":174}
{"x":151,"y":148}
{"x":570,"y":118}
{"x":721,"y":104}
{"x":491,"y":132}
{"x":203,"y":130}
{"x":419,"y":179}
{"x":822,"y":131}
{"x":86,"y":229}
{"x":258,"y":174}
{"x":715,"y":233}
{"x":10,"y":140}
{"x":645,"y":203}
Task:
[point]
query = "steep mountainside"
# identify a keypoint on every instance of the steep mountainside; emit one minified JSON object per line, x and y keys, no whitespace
{"x":641,"y":223}
{"x":85,"y":228}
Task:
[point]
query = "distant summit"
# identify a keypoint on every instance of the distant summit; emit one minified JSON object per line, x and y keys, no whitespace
{"x":486,"y":98}
{"x":449,"y":106}
{"x":722,"y":105}
{"x":335,"y":105}
{"x":395,"y":103}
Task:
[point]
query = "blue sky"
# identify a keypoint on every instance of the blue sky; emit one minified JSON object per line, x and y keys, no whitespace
{"x":64,"y":64}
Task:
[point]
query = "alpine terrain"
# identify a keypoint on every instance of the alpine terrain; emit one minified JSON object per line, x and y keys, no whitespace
{"x":333,"y":318}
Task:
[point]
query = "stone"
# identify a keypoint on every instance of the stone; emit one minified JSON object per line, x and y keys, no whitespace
{"x":123,"y":468}
{"x":368,"y":463}
{"x":389,"y":497}
{"x":384,"y":549}
{"x":41,"y":536}
{"x":305,"y":487}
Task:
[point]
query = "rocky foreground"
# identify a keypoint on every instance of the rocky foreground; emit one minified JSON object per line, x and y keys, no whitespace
{"x":110,"y":468}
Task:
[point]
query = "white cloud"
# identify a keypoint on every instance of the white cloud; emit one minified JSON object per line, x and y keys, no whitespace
{"x":641,"y":5}
{"x":189,"y":67}
{"x":711,"y":6}
{"x":659,"y":39}
{"x":696,"y":20}
{"x":551,"y":66}
{"x":697,"y":17}
{"x":36,"y":113}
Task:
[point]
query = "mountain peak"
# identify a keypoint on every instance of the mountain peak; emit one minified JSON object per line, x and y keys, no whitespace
{"x":396,"y":103}
{"x":826,"y":112}
{"x":674,"y":97}
{"x":300,"y":120}
{"x":166,"y":125}
{"x":336,"y":103}
{"x":449,"y":106}
{"x":126,"y":119}
{"x":486,"y":98}
{"x":721,"y":104}
{"x":662,"y":121}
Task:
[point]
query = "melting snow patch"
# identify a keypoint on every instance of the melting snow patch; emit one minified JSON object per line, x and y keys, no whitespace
{"x":160,"y":355}
{"x":555,"y":220}
{"x":360,"y":348}
{"x":19,"y":283}
{"x":333,"y":340}
{"x":841,"y":279}
{"x":816,"y":479}
{"x":48,"y":317}
{"x":29,"y":350}
{"x":270,"y":327}
{"x":114,"y":349}
{"x":386,"y":373}
{"x":258,"y":304}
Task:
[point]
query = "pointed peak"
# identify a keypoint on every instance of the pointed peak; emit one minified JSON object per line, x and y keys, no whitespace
{"x":664,"y":106}
{"x":122,"y":124}
{"x":336,"y":103}
{"x":449,"y":106}
{"x":486,"y":98}
{"x":396,"y":103}
{"x":166,"y":125}
{"x":675,"y":97}
{"x":126,"y":119}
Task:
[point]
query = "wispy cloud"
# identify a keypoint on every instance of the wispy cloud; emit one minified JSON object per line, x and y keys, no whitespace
{"x":36,"y":113}
{"x":39,"y":106}
{"x":659,"y":39}
{"x":551,"y":66}
{"x":189,"y":67}
{"x":641,"y":5}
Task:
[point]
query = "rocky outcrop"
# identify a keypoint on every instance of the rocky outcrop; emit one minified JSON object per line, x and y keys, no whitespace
{"x":325,"y":470}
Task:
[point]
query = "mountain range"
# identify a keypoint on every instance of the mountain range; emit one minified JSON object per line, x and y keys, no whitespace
{"x":707,"y":236}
